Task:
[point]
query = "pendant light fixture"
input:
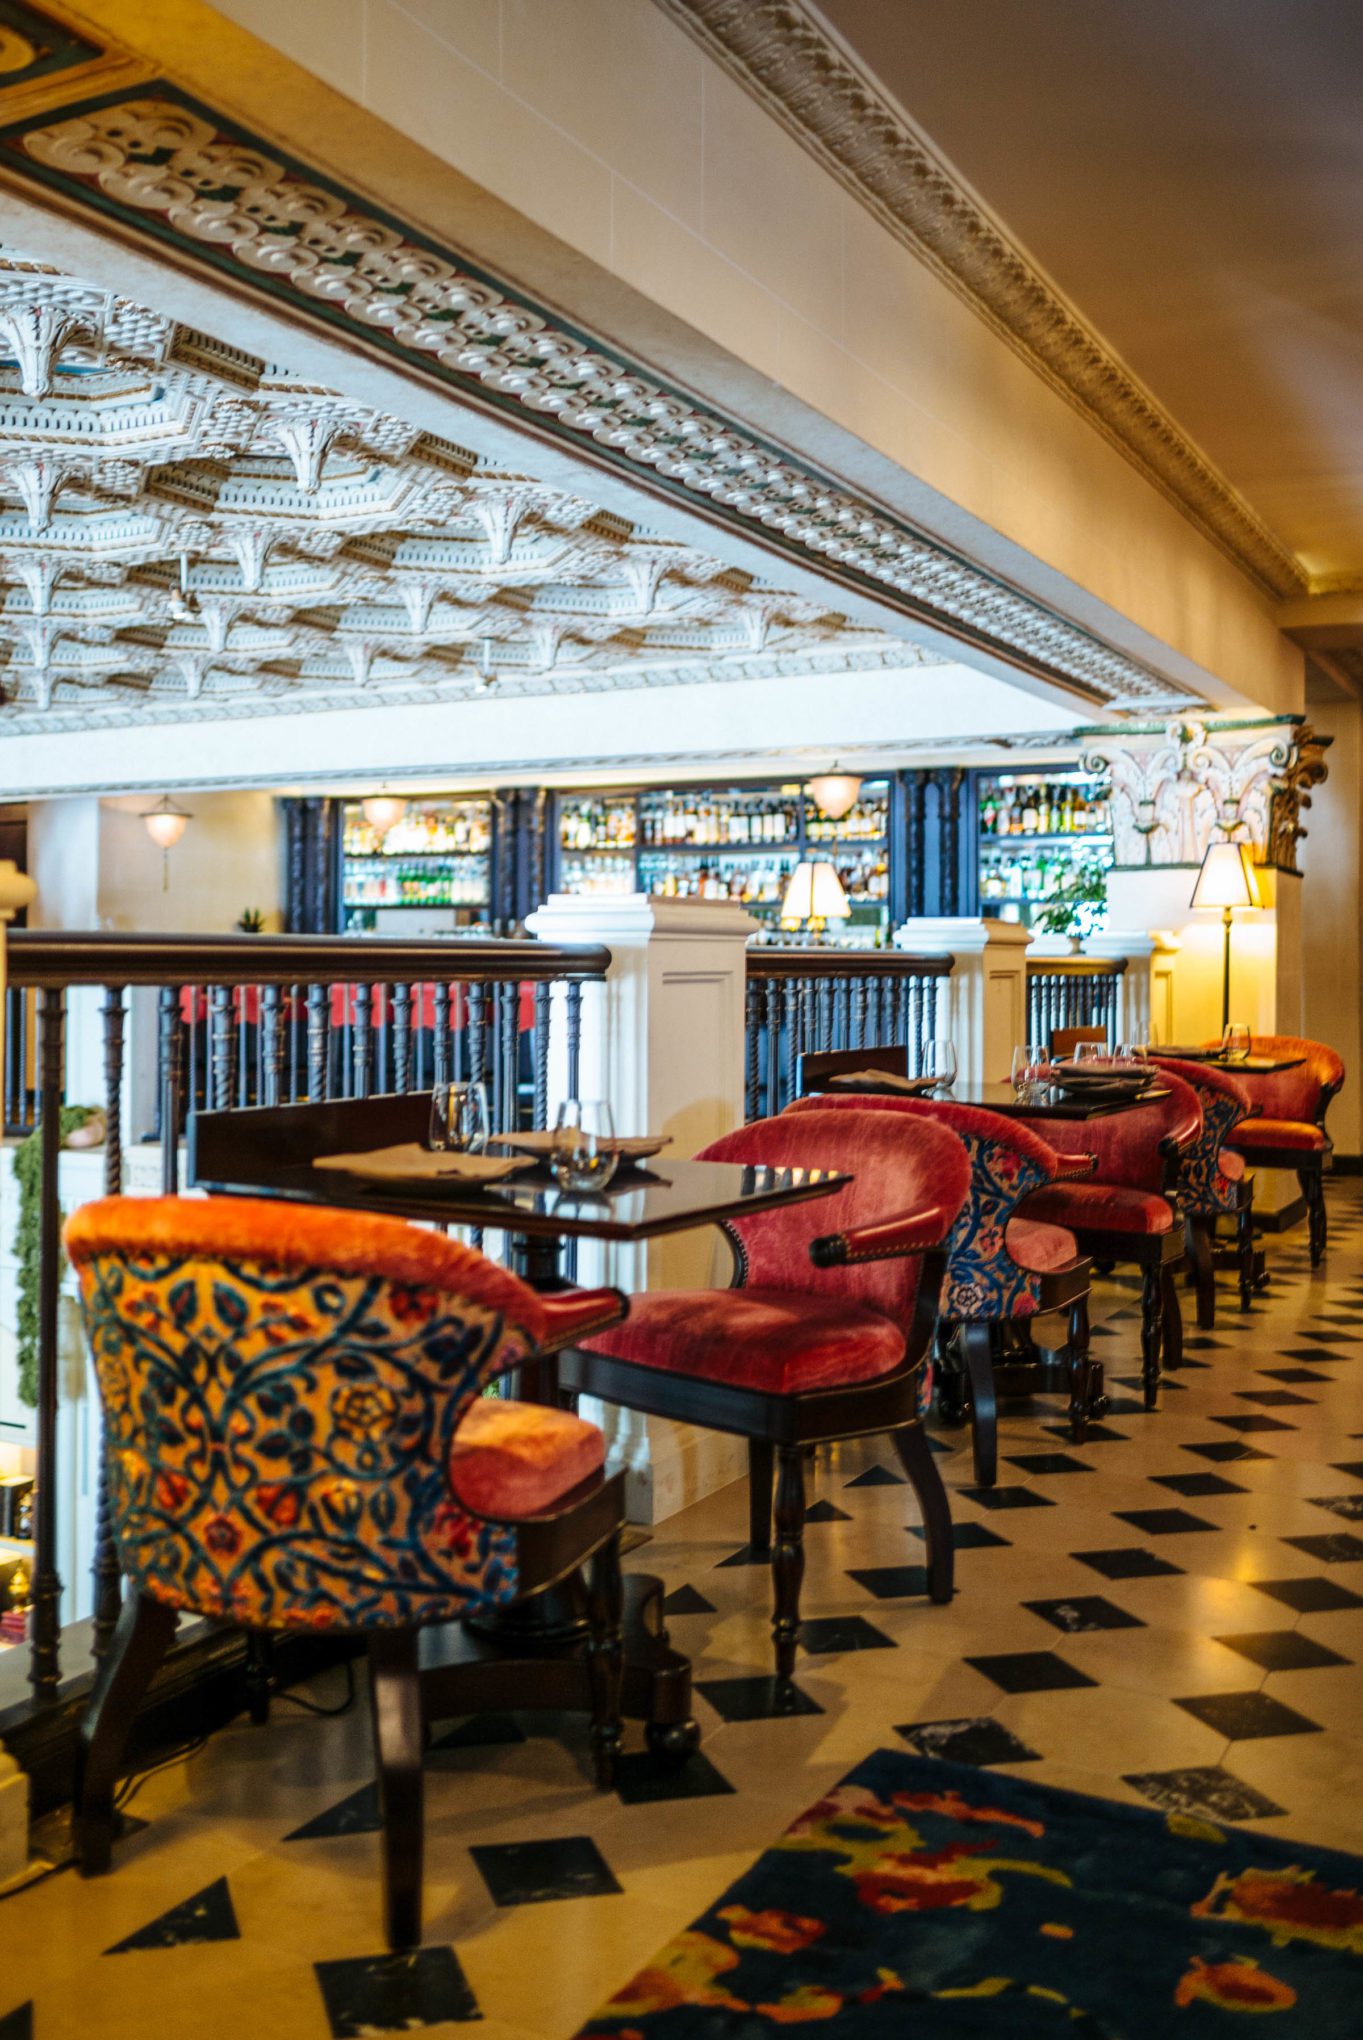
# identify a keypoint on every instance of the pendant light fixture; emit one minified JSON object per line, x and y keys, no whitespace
{"x":383,"y":811}
{"x":836,"y":792}
{"x":165,"y":824}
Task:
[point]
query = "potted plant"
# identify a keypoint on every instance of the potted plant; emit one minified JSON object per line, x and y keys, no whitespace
{"x":1077,"y":905}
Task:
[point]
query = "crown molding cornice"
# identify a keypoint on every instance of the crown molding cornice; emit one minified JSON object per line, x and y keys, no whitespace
{"x":787,"y":59}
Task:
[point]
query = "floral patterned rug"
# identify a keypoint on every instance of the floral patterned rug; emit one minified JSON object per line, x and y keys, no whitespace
{"x":922,"y":1897}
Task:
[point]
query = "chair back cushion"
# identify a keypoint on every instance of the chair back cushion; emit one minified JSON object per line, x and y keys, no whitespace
{"x":892,"y":1176}
{"x":1205,"y":1186}
{"x":1007,"y":1163}
{"x":1291,"y":1094}
{"x":281,"y":1388}
{"x":1127,"y":1143}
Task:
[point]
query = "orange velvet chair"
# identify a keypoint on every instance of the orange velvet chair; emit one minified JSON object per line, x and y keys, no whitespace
{"x":826,"y":1334}
{"x":1286,"y":1124}
{"x":298,"y":1439}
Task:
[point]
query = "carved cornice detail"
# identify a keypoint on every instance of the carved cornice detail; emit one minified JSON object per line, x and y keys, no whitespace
{"x":792,"y":66}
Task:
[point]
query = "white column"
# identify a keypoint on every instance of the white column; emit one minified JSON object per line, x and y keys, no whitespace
{"x":986,"y":994}
{"x":16,"y":891}
{"x":665,"y":1045}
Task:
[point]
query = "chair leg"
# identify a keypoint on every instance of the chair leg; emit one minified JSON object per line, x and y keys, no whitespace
{"x":1312,"y":1182}
{"x":761,"y":1475}
{"x":605,"y":1657}
{"x":1203,"y":1270}
{"x":1151,"y":1311}
{"x":145,"y":1628}
{"x":395,"y":1704}
{"x":911,"y":1443}
{"x":1244,"y":1251}
{"x":977,"y":1347}
{"x":1171,"y":1314}
{"x":788,"y":1555}
{"x":1081,"y":1369}
{"x":259,"y":1676}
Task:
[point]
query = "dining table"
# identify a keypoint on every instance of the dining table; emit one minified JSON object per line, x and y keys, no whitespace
{"x":1038,"y":1101}
{"x":530,"y":1655}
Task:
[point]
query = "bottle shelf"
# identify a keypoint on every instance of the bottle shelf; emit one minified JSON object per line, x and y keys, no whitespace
{"x":1073,"y":840}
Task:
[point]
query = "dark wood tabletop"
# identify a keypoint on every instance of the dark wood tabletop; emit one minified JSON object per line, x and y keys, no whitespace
{"x":1047,"y":1101}
{"x":1246,"y":1065}
{"x":269,"y":1150}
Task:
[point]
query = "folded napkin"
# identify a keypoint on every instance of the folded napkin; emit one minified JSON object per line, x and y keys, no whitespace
{"x":410,"y":1162}
{"x":631,"y":1147}
{"x":880,"y":1080}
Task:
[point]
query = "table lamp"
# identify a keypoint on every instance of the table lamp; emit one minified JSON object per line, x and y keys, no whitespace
{"x":814,"y":896}
{"x":1226,"y":880}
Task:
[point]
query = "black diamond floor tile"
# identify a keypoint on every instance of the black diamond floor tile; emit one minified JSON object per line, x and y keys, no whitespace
{"x":825,"y":1512}
{"x":1339,"y":1548}
{"x":977,"y":1739}
{"x":371,"y":1994}
{"x":1349,"y":1506}
{"x":1007,"y":1498}
{"x":532,"y":1873}
{"x":1199,"y":1484}
{"x":964,"y":1536}
{"x":1098,"y":1434}
{"x":1334,"y":1338}
{"x":641,"y":1779}
{"x":1241,"y":1717}
{"x":892,"y":1582}
{"x":938,"y":1445}
{"x":479,"y":1732}
{"x":686,"y":1601}
{"x":1224,"y":1450}
{"x":1030,"y":1671}
{"x":877,"y":1476}
{"x":1282,"y":1650}
{"x":1163,"y":1522}
{"x":1199,"y":1342}
{"x":1353,"y":1467}
{"x":1236,"y":1422}
{"x":356,"y":1815}
{"x":18,"y":2024}
{"x":1134,"y":1406}
{"x":745,"y":1555}
{"x":1314,"y":1356}
{"x":1292,"y":1374}
{"x":1311,"y":1595}
{"x":1205,"y":1790}
{"x":1048,"y":1462}
{"x":756,"y":1698}
{"x":823,"y":1635}
{"x":1078,"y":1612}
{"x":1126,"y":1563}
{"x":1272,"y":1398}
{"x":208,"y":1916}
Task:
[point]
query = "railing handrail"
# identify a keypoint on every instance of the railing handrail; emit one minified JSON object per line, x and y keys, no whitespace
{"x":843,"y":963}
{"x":1076,"y":966}
{"x":41,"y":957}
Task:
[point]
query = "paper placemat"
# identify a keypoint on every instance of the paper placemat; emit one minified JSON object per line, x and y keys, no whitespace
{"x":880,"y":1080}
{"x":631,"y":1147}
{"x":411,"y":1162}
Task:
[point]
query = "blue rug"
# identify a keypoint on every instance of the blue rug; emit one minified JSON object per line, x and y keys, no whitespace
{"x":927,"y":1898}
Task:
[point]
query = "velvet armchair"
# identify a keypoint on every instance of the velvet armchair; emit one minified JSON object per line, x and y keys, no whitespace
{"x":825,"y":1334}
{"x":298,"y":1439}
{"x":1285,"y":1128}
{"x":1213,"y":1183}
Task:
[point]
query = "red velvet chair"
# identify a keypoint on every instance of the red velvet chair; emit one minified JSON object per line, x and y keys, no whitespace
{"x":1001,"y":1270}
{"x":1128,"y":1212}
{"x":1213,"y":1183}
{"x":1286,"y":1126}
{"x":298,"y":1439}
{"x":826,"y":1333}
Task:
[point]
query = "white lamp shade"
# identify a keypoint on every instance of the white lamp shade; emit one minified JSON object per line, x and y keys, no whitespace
{"x":835,"y":792}
{"x":814,"y":894}
{"x":165,"y":823}
{"x":383,"y":811}
{"x":1227,"y":878}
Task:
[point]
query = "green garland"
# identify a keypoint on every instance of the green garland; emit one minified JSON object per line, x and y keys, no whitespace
{"x":28,"y":1174}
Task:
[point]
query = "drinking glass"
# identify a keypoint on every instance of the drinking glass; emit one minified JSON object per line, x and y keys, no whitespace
{"x":939,"y":1063}
{"x":1090,"y":1051}
{"x":458,"y":1119}
{"x":1132,"y":1051}
{"x":583,"y":1156}
{"x":1029,"y":1060}
{"x":1235,"y":1042}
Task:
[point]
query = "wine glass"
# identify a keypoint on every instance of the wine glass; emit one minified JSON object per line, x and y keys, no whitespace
{"x":459,"y":1123}
{"x":1132,"y":1052}
{"x":584,"y":1155}
{"x":1235,"y":1042}
{"x":939,"y":1063}
{"x":1029,"y":1059}
{"x":1090,"y":1051}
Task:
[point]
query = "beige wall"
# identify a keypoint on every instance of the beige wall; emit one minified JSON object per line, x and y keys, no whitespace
{"x":1333,"y":915}
{"x":96,"y":867}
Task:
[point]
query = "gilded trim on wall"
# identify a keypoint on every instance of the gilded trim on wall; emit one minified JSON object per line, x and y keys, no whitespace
{"x":793,"y":67}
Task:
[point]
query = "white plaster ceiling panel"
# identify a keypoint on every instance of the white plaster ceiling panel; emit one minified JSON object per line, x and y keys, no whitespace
{"x":187,"y":531}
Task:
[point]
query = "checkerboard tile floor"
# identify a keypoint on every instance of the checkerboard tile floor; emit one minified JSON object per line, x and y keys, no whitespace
{"x":1171,"y":1614}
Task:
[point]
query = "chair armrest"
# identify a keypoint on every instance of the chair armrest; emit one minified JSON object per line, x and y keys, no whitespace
{"x":1072,"y":1167}
{"x":573,"y":1314}
{"x":913,"y":1232}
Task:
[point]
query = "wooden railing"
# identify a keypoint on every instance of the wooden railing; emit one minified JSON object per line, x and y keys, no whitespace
{"x":800,"y":1000}
{"x":236,"y":1021}
{"x":1073,"y":991}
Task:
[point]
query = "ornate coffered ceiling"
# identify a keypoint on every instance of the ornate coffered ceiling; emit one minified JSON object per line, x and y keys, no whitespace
{"x":187,"y":530}
{"x":97,"y":133}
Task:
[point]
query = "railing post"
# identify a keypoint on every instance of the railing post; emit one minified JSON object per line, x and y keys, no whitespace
{"x":168,"y":1089}
{"x":986,"y":992}
{"x":45,"y":1668}
{"x":106,"y":1583}
{"x":319,"y":1042}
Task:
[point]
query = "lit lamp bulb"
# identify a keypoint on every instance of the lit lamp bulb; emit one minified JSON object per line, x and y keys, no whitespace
{"x":814,"y":897}
{"x":836,"y":792}
{"x":165,"y":824}
{"x":383,"y":811}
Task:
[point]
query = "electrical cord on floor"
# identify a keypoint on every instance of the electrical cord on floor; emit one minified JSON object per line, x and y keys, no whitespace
{"x":315,"y":1707}
{"x":134,"y":1782}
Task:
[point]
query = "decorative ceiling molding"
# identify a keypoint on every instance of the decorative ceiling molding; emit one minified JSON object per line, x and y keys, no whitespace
{"x":165,"y":171}
{"x":790,"y":62}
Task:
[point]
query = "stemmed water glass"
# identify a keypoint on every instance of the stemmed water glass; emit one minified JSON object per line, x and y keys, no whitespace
{"x":459,"y":1123}
{"x":1029,"y":1060}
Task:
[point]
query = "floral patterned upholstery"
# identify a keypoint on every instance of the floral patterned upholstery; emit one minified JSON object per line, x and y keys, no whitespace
{"x":1210,"y":1176}
{"x":993,"y":1269}
{"x":283,"y":1390}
